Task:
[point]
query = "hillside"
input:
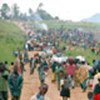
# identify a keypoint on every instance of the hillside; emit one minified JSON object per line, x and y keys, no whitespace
{"x":71,"y":25}
{"x":95,"y":18}
{"x":86,"y":26}
{"x":11,"y":37}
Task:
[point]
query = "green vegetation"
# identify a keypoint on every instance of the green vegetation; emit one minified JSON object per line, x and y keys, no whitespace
{"x":76,"y":51}
{"x":11,"y":37}
{"x":56,"y":24}
{"x":86,"y":53}
{"x":44,"y":15}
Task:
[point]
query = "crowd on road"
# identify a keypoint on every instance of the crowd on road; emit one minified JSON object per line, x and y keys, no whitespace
{"x":67,"y":72}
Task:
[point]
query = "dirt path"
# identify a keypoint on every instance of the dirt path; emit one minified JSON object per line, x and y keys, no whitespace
{"x":31,"y":84}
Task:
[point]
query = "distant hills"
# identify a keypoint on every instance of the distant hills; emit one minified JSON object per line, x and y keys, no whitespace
{"x":95,"y":18}
{"x":44,"y":15}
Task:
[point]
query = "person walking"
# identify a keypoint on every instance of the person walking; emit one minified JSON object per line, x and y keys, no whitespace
{"x":97,"y":90}
{"x":15,"y":83}
{"x":41,"y":94}
{"x":3,"y":82}
{"x":65,"y":88}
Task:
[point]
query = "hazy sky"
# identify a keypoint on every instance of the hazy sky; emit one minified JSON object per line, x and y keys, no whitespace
{"x":66,"y":9}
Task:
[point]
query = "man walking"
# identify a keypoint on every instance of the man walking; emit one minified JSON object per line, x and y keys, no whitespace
{"x":15,"y":84}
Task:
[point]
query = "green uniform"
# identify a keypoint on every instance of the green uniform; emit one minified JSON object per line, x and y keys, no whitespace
{"x":54,"y":71}
{"x":15,"y":84}
{"x":3,"y":85}
{"x":58,"y":69}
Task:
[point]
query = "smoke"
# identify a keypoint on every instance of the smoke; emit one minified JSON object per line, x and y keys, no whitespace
{"x":38,"y":23}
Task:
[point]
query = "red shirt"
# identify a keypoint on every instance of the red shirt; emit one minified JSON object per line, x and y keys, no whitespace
{"x":97,"y":96}
{"x":70,"y":69}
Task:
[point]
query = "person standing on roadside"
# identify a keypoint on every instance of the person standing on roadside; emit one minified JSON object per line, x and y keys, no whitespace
{"x":3,"y":82}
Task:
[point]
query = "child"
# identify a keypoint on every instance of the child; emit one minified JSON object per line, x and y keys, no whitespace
{"x":90,"y":95}
{"x":65,"y":90}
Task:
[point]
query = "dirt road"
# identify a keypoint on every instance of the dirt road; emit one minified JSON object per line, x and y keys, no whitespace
{"x":31,"y":84}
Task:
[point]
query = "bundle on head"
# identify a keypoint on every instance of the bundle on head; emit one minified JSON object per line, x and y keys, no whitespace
{"x":70,"y":60}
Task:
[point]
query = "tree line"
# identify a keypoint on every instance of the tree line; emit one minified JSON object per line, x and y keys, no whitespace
{"x":11,"y":13}
{"x":14,"y":13}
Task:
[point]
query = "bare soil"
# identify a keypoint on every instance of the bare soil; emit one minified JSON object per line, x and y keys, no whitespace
{"x":31,"y":86}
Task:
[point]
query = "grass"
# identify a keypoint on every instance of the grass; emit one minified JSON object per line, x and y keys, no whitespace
{"x":86,"y":53}
{"x":88,"y":26}
{"x":11,"y":37}
{"x":76,"y":51}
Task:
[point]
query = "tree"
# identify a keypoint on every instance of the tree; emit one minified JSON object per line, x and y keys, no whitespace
{"x":39,"y":6}
{"x":56,"y":18}
{"x":44,"y":15}
{"x":15,"y":11}
{"x":30,"y":12}
{"x":5,"y":9}
{"x":23,"y":16}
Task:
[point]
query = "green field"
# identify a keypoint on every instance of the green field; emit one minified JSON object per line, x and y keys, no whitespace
{"x":11,"y":37}
{"x":54,"y":24}
{"x":76,"y":51}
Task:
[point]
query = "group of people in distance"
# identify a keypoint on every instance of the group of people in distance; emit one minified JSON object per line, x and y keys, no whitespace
{"x":67,"y":75}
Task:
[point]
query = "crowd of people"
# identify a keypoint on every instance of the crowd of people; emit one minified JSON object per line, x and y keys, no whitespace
{"x":68,"y":72}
